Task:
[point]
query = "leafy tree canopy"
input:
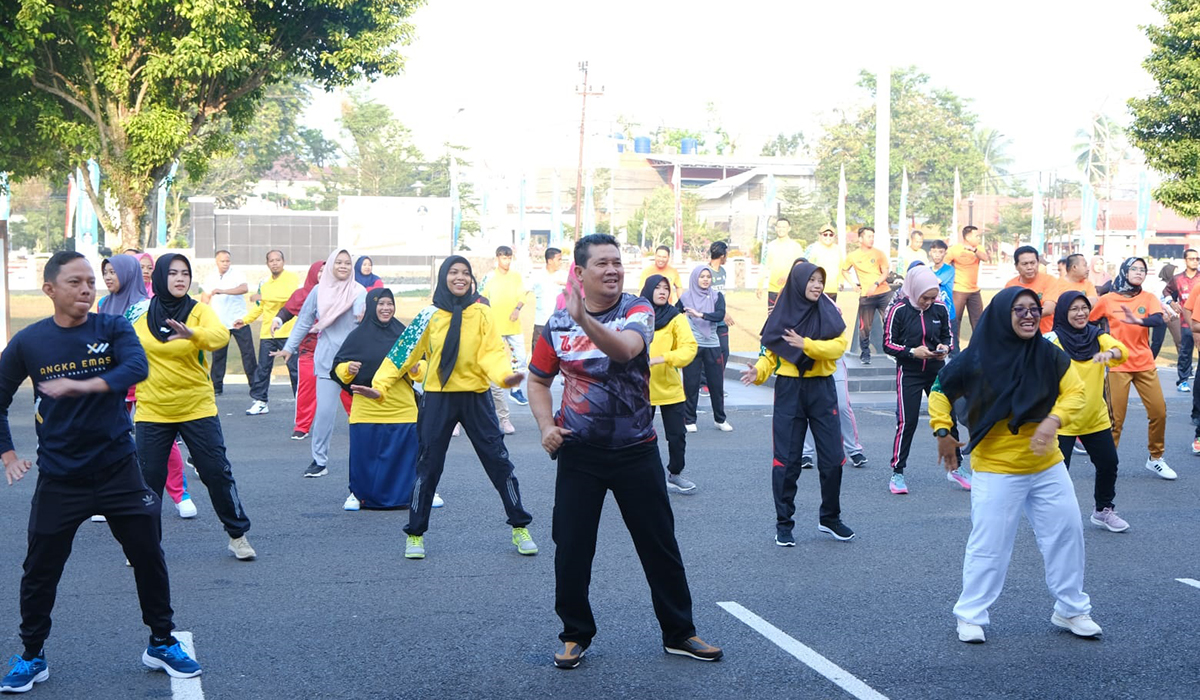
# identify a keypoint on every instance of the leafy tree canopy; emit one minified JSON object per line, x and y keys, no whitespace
{"x":1166,"y":124}
{"x":932,"y":133}
{"x":138,"y":84}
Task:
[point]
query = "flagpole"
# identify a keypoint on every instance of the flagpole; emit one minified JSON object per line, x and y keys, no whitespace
{"x":883,"y":130}
{"x":841,"y":211}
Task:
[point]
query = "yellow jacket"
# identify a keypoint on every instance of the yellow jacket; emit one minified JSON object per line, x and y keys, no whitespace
{"x":677,"y":346}
{"x":393,"y":407}
{"x":825,"y":354}
{"x":1001,"y":452}
{"x":275,"y":292}
{"x":1094,"y":416}
{"x":179,"y":388}
{"x":781,"y":255}
{"x":483,"y":355}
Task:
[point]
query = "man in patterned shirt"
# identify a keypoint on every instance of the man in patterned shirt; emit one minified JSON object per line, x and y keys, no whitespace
{"x":603,"y":437}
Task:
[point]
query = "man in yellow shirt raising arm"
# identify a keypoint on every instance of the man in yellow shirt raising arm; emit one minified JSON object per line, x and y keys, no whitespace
{"x":273,"y":293}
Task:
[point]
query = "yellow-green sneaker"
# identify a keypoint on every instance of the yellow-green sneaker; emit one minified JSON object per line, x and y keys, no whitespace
{"x":525,"y":544}
{"x":414,"y":548}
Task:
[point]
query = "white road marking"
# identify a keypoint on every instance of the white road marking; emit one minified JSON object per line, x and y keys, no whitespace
{"x":806,"y":655}
{"x":187,"y":688}
{"x":1189,"y":581}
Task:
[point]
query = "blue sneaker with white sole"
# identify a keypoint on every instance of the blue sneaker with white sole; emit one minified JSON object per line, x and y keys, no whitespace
{"x":171,"y":658}
{"x":24,"y":674}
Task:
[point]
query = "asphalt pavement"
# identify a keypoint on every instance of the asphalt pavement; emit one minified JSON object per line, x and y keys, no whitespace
{"x":331,"y":609}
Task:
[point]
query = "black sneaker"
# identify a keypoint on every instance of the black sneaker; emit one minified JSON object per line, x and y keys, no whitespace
{"x":785,"y":539}
{"x":836,"y":528}
{"x":858,"y":459}
{"x":569,"y":656}
{"x":695,"y":648}
{"x":299,"y":434}
{"x":806,"y":462}
{"x":315,"y":470}
{"x":866,"y":359}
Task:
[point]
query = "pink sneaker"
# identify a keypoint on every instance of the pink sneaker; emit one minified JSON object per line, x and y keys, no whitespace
{"x":959,"y":477}
{"x":1109,"y":520}
{"x":507,"y":426}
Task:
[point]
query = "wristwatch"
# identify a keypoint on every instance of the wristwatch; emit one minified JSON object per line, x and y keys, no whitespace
{"x":941,"y":433}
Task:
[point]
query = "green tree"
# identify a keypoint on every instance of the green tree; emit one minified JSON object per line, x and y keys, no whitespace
{"x":274,"y":138}
{"x":1015,"y":224}
{"x":39,"y":210}
{"x":806,"y":212}
{"x":932,"y":133}
{"x":139,"y":84}
{"x":1098,"y":150}
{"x":783,"y":145}
{"x":996,"y":159}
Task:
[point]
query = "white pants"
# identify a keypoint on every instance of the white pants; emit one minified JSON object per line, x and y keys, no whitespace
{"x":516,"y":353}
{"x":1048,"y":501}
{"x":849,"y":426}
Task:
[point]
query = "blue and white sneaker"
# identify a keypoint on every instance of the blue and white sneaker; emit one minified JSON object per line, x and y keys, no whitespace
{"x":24,"y":674}
{"x":172,"y":659}
{"x":518,"y":398}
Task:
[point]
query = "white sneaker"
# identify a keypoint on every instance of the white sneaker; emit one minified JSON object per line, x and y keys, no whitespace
{"x":507,"y":426}
{"x":437,"y":501}
{"x":1080,"y":625}
{"x":99,"y":519}
{"x":725,"y":427}
{"x":971,"y":634}
{"x":186,"y":508}
{"x":351,"y":503}
{"x":457,"y":430}
{"x":258,"y":408}
{"x":690,"y":427}
{"x":1158,"y":466}
{"x":241,"y":548}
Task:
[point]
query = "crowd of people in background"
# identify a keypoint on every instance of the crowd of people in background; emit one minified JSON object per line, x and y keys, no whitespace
{"x":1049,"y":359}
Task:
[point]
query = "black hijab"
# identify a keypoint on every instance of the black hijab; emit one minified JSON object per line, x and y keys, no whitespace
{"x":1079,"y":343}
{"x":662,"y":314}
{"x":445,"y":300}
{"x":818,"y":320}
{"x":1002,"y":376}
{"x":370,"y":342}
{"x":164,"y":305}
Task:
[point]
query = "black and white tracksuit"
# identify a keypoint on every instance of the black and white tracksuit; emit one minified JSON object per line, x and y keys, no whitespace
{"x":906,"y":328}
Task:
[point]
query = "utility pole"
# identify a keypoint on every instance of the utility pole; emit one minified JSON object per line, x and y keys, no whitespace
{"x":584,"y":89}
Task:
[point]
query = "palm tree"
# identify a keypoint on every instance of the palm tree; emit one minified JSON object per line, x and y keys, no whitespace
{"x":1099,"y":149}
{"x":994,"y":147}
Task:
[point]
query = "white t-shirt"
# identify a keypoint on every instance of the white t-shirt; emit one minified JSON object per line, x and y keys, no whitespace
{"x":229,"y":307}
{"x":546,"y":288}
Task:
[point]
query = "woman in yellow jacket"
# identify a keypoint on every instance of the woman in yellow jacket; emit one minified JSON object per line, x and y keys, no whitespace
{"x":177,"y":397}
{"x":801,"y":342}
{"x":1020,"y":391}
{"x":383,"y":432}
{"x":674,"y":346}
{"x":1091,"y":353}
{"x":464,"y":351}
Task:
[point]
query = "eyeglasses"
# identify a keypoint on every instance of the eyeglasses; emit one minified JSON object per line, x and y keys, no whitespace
{"x":1027,"y":311}
{"x":1191,"y":257}
{"x":826,"y":235}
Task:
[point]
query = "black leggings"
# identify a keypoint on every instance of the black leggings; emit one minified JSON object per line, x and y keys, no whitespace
{"x":1103,"y":453}
{"x":672,"y":418}
{"x":713,"y":363}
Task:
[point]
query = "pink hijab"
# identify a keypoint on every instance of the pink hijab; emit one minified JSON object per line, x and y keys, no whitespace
{"x":141,"y":257}
{"x":335,"y":297}
{"x":561,"y":301}
{"x":919,"y":280}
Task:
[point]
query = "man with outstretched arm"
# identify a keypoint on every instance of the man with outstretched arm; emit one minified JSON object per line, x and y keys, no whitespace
{"x":82,"y":364}
{"x":603,"y":437}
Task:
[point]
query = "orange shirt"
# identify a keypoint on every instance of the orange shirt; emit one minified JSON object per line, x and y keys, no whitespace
{"x":1043,"y":286}
{"x":1136,"y":338}
{"x":966,"y":268}
{"x":1066,"y":284}
{"x":869,"y":264}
